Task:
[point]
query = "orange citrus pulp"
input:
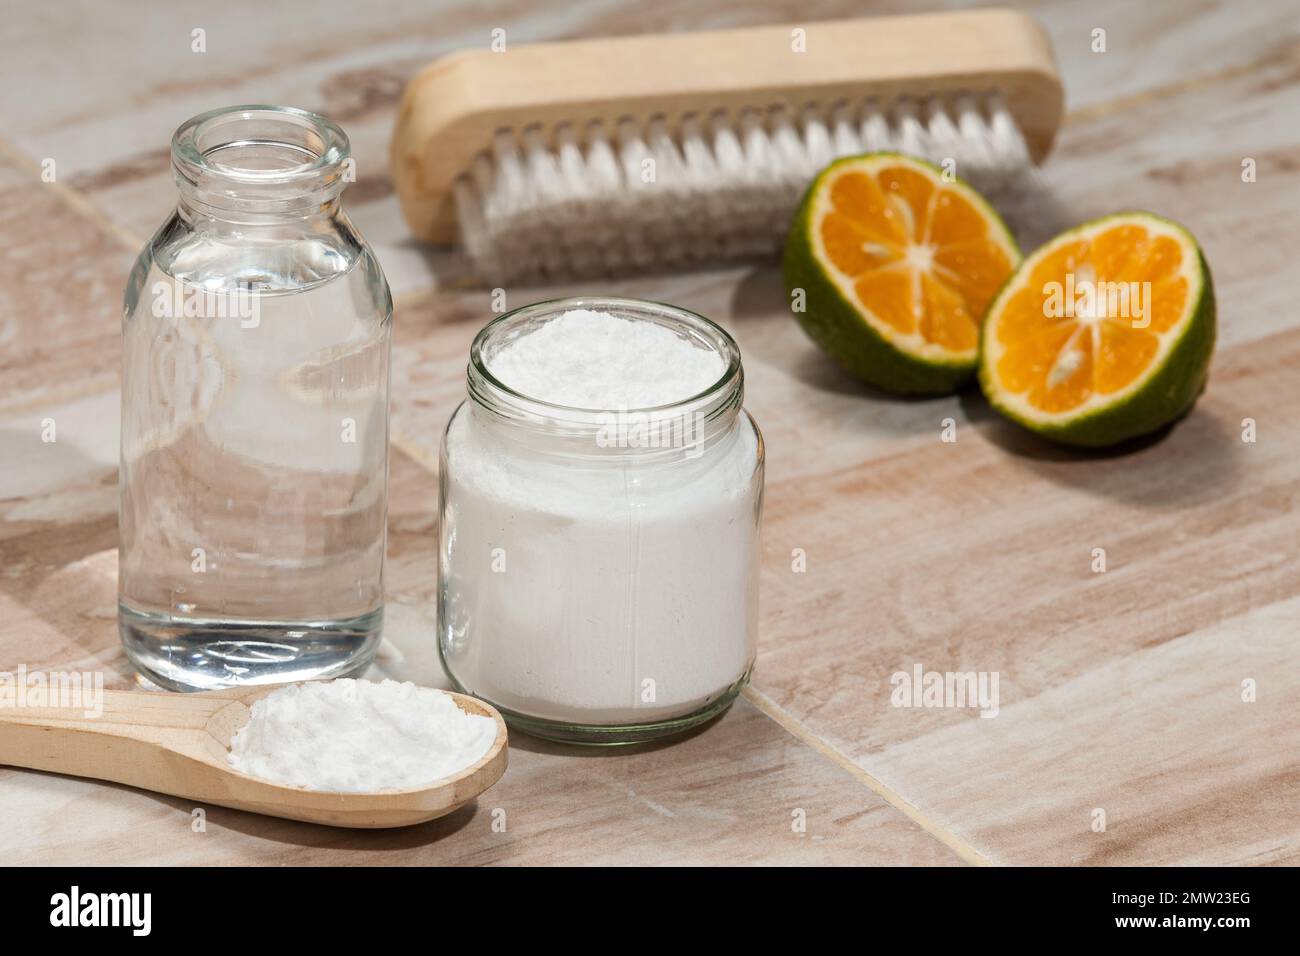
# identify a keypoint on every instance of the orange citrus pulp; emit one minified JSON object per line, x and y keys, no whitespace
{"x":1058,"y":350}
{"x":919,"y":257}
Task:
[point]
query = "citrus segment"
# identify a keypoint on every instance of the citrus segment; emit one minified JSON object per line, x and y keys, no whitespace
{"x":1168,"y":302}
{"x":891,"y":290}
{"x":956,"y":220}
{"x":974,"y":268}
{"x":1122,"y":354}
{"x":946,"y":319}
{"x":858,"y":200}
{"x":853,"y":249}
{"x":1067,"y":379}
{"x":910,"y":193}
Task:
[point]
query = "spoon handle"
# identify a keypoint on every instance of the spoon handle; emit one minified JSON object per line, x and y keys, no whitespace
{"x":105,"y":707}
{"x":145,"y":739}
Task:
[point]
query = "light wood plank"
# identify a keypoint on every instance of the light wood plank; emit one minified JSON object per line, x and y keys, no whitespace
{"x":1118,"y":690}
{"x":727,"y":796}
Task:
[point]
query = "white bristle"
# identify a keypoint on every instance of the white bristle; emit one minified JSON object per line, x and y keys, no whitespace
{"x":846,"y":141}
{"x":706,"y":190}
{"x":818,"y":147}
{"x":876,"y":132}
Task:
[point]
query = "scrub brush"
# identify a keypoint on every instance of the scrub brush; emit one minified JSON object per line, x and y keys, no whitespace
{"x":610,"y":156}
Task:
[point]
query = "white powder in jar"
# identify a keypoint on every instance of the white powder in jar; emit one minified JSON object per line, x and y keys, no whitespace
{"x":593,"y":590}
{"x":593,"y":360}
{"x":356,"y":736}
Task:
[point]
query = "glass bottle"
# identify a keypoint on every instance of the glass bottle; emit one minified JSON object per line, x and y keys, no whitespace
{"x":598,"y":568}
{"x":254,"y":456}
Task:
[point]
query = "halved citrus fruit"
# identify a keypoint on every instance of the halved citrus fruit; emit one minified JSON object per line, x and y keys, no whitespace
{"x":897,"y":263}
{"x":1104,"y":333}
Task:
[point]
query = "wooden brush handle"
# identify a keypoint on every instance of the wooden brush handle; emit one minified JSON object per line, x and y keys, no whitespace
{"x":451,"y":109}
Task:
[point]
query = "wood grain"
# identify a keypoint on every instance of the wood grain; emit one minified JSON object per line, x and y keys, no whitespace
{"x":729,"y":795}
{"x":1120,"y":691}
{"x":60,"y":293}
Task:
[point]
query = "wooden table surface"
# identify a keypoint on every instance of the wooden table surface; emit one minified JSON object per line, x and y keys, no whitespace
{"x":1126,"y":692}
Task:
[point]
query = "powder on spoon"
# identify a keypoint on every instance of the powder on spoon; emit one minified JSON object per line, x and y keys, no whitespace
{"x":356,"y":736}
{"x":595,"y":360}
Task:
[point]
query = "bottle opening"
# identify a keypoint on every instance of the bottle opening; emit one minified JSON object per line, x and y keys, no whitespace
{"x":259,"y":159}
{"x":256,"y":156}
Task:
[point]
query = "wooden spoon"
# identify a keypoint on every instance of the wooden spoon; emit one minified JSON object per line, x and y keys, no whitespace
{"x":179,"y":744}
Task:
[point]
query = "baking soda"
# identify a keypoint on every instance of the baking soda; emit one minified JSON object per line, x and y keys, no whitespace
{"x":593,"y":360}
{"x":599,"y":590}
{"x":356,"y":736}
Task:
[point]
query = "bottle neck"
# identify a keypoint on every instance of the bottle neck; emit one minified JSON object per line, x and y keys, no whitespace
{"x":259,"y":167}
{"x":203,"y":214}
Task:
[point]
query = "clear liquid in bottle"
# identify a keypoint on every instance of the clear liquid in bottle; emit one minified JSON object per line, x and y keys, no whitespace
{"x":254,"y":451}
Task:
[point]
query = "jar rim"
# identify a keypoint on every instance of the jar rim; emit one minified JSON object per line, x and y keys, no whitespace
{"x":623,"y":307}
{"x":323,"y":146}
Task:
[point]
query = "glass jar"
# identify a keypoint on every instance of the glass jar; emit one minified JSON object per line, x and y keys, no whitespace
{"x":254,"y":458}
{"x":598,"y":568}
